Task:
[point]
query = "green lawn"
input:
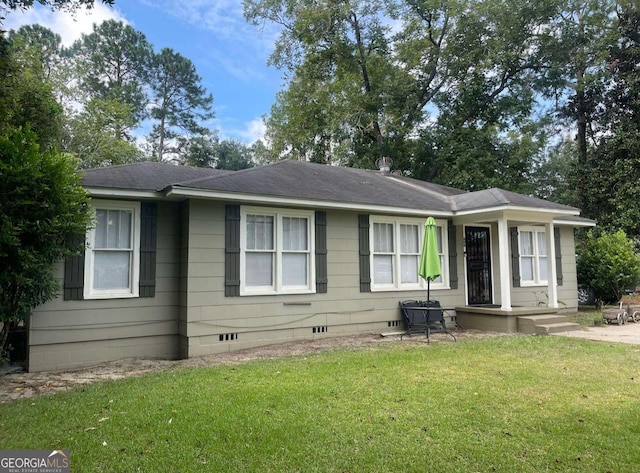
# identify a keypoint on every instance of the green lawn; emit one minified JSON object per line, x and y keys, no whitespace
{"x":505,"y":404}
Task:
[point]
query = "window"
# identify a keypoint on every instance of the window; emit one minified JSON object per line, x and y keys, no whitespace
{"x":396,"y":246}
{"x":276,"y":254}
{"x":533,"y":256}
{"x":112,"y":255}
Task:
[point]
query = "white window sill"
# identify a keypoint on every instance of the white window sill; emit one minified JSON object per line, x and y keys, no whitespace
{"x":111,"y":296}
{"x":276,"y":293}
{"x":407,"y":288}
{"x":533,"y":284}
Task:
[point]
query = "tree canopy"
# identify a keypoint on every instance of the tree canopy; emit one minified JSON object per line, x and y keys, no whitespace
{"x":535,"y":97}
{"x":56,"y":4}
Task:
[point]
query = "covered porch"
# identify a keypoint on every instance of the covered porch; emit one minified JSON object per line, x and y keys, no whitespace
{"x":498,"y":272}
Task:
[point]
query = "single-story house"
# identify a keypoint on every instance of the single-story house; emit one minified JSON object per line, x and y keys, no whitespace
{"x":184,"y":262}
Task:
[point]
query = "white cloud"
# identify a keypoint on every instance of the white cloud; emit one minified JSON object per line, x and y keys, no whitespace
{"x":69,"y":26}
{"x":255,"y":130}
{"x":236,"y":44}
{"x":249,"y":133}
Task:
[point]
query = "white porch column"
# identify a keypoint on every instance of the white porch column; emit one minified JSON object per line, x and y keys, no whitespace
{"x":503,"y":258}
{"x":552,"y":275}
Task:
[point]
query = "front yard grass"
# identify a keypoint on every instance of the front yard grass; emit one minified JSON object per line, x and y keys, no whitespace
{"x":505,"y":404}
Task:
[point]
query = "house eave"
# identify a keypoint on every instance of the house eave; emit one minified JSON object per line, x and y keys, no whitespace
{"x":122,"y":193}
{"x":500,"y":210}
{"x":586,"y":223}
{"x":488,"y":214}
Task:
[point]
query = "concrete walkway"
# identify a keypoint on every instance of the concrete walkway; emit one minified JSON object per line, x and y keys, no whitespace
{"x":628,"y":333}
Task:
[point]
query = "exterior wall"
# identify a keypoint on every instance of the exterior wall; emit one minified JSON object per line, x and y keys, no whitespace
{"x":191,"y":316}
{"x":219,"y":324}
{"x":70,"y":334}
{"x":535,"y":296}
{"x":183,"y":340}
{"x":568,"y":292}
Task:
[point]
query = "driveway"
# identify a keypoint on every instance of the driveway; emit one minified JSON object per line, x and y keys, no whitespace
{"x":628,"y":333}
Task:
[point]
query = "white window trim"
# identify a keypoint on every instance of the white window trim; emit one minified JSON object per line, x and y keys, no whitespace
{"x":277,"y":287}
{"x":536,"y":257}
{"x":421,"y":284}
{"x":134,"y":290}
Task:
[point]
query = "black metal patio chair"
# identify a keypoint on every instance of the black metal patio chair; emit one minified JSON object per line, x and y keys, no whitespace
{"x":421,"y":317}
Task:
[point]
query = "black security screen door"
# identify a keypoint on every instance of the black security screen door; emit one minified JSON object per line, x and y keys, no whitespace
{"x":478,"y":248}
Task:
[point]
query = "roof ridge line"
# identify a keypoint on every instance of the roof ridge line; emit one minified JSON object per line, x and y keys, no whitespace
{"x":404,"y":180}
{"x":225,"y":173}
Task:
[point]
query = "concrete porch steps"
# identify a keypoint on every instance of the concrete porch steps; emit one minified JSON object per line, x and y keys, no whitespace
{"x":545,"y":324}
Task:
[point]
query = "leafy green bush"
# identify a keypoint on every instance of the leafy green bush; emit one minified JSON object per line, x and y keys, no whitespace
{"x":43,"y":209}
{"x":608,"y":263}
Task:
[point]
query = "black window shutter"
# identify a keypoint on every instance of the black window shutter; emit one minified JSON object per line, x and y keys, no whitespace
{"x":556,"y":239}
{"x":365,"y":265}
{"x":148,"y":244}
{"x":73,"y":287}
{"x":232,"y":251}
{"x":453,"y":255}
{"x":515,"y":256}
{"x":321,"y":252}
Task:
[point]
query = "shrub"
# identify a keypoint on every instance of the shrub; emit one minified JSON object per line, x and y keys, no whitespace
{"x":43,"y":209}
{"x":607,"y":262}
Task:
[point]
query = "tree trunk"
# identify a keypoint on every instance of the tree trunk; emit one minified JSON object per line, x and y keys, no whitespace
{"x":581,"y":112}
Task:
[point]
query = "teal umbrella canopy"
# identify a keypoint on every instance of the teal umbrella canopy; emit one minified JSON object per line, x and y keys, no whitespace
{"x":429,"y":268}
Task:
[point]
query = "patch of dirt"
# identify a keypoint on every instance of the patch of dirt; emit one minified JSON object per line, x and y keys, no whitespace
{"x":17,"y":385}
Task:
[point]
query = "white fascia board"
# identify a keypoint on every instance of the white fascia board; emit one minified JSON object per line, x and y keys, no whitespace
{"x":307,"y":203}
{"x":573,"y":223}
{"x":514,"y":208}
{"x":122,"y":193}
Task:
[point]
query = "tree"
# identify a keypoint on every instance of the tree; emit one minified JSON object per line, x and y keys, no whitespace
{"x":232,"y":155}
{"x":179,"y":101}
{"x":27,"y":98}
{"x":7,"y":6}
{"x":197,"y":151}
{"x":38,"y":47}
{"x":207,"y":151}
{"x":608,"y":263}
{"x":554,"y":174}
{"x":43,"y":209}
{"x":614,"y":170}
{"x":112,"y":63}
{"x":91,"y":135}
{"x":370,"y":78}
{"x":55,"y":4}
{"x":579,"y":62}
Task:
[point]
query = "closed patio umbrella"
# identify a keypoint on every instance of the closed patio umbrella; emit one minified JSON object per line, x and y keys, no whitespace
{"x":429,"y":268}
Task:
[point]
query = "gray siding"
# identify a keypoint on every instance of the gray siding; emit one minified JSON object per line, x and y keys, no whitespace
{"x":69,"y":334}
{"x":568,"y":292}
{"x":218,"y":324}
{"x":191,"y":316}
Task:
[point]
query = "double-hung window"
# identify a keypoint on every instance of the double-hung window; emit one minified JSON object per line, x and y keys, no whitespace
{"x":112,"y":254}
{"x":533,"y":256}
{"x":396,"y":245}
{"x":276,"y":251}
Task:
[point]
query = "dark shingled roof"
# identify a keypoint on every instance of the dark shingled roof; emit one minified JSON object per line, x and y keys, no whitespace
{"x":302,"y":180}
{"x":309,"y":181}
{"x":143,"y":176}
{"x":498,"y":197}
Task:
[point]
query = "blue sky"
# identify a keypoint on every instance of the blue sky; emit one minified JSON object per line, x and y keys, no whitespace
{"x":229,"y":54}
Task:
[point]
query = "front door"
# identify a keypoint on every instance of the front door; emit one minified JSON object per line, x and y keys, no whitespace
{"x":478,"y":256}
